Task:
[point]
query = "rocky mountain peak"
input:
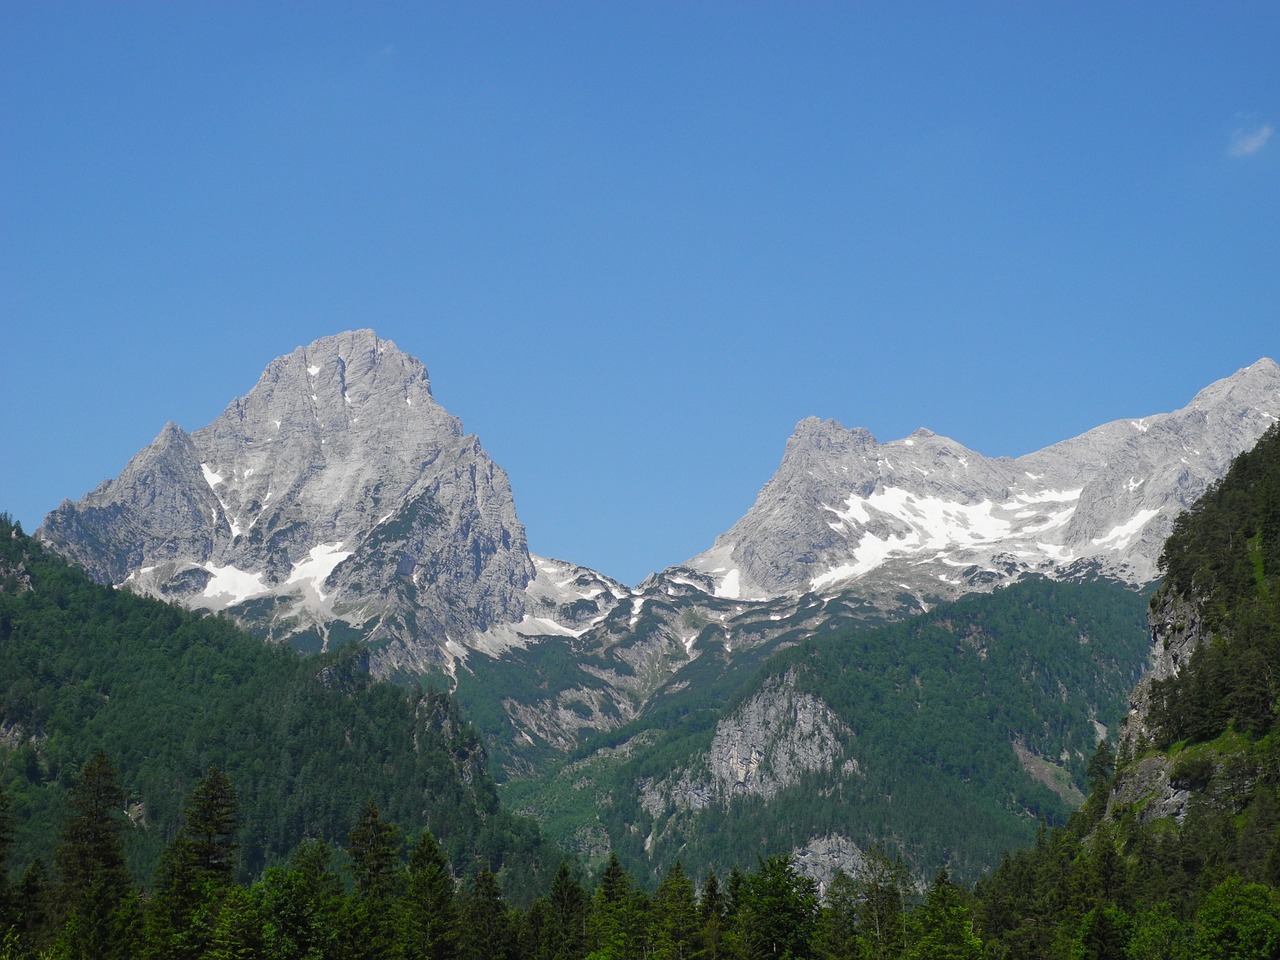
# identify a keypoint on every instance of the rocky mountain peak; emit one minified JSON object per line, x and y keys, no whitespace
{"x":336,"y":491}
{"x":927,"y":517}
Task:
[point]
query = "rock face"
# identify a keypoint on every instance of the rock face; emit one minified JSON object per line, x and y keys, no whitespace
{"x":1177,"y":631}
{"x":766,"y":745}
{"x":928,"y":516}
{"x":336,"y":494}
{"x":1150,"y":785}
{"x":822,"y":857}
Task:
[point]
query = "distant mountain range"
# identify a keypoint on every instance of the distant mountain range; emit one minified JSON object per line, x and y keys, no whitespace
{"x":339,"y":503}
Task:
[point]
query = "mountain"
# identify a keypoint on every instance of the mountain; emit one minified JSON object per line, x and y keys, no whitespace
{"x":337,"y":499}
{"x":1176,"y":851}
{"x":926,"y":515}
{"x":339,"y":502}
{"x":944,"y":737}
{"x":167,"y":694}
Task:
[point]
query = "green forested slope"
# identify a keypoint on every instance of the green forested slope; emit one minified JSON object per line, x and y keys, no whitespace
{"x":1176,"y":854}
{"x":166,"y":694}
{"x":937,"y":710}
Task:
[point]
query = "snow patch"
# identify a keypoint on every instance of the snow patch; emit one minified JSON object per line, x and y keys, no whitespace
{"x":231,"y":585}
{"x":314,"y":571}
{"x":730,"y":586}
{"x":1122,"y":535}
{"x":312,"y":371}
{"x":211,"y":478}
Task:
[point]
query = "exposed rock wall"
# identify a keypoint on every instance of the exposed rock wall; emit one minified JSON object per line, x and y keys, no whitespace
{"x":765,"y":746}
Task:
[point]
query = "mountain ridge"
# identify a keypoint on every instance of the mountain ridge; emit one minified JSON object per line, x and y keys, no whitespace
{"x":843,"y":505}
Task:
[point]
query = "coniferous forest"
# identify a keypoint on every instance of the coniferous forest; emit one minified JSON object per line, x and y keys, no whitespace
{"x":354,"y":819}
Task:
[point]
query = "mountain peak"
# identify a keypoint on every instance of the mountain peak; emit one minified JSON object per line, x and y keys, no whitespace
{"x":1255,"y":383}
{"x":337,"y":489}
{"x":930,"y":517}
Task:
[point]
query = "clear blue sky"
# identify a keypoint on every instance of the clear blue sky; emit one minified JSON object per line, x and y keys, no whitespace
{"x":634,"y":243}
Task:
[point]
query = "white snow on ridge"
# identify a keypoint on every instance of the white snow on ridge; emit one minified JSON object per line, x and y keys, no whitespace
{"x":211,"y":478}
{"x":912,"y":525}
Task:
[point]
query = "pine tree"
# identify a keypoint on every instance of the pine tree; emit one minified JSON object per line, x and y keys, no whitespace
{"x":674,"y":921}
{"x":93,"y":881}
{"x":836,"y":937}
{"x":301,"y":905}
{"x":369,"y":924}
{"x":374,"y":846}
{"x":567,"y":911}
{"x":944,"y":925}
{"x":712,"y":909}
{"x":616,"y":923}
{"x":777,"y":913}
{"x":196,"y":870}
{"x":486,"y":930}
{"x":429,"y":921}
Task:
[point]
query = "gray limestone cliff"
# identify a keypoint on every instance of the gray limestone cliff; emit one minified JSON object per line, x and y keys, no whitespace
{"x":764,"y":746}
{"x":1149,"y":784}
{"x":337,"y":496}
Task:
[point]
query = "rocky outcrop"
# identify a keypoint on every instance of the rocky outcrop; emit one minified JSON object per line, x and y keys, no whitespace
{"x":763,"y":747}
{"x":1152,"y":786}
{"x":1177,"y":630}
{"x":822,"y":857}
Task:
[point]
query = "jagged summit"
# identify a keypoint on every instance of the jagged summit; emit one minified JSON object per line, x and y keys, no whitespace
{"x":338,"y":500}
{"x":336,"y":492}
{"x":926,"y":516}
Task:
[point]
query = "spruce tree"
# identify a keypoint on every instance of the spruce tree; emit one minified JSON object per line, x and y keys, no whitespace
{"x":617,"y":919}
{"x":196,"y":870}
{"x":674,"y":920}
{"x":93,"y":883}
{"x":429,"y":924}
{"x":486,"y":931}
{"x":374,"y":847}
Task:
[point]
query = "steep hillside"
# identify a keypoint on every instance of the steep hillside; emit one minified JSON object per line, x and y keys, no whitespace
{"x":948,"y":736}
{"x":166,"y":694}
{"x":1176,"y":852}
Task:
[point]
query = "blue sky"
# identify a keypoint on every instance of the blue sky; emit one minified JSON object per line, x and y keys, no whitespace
{"x":634,"y":243}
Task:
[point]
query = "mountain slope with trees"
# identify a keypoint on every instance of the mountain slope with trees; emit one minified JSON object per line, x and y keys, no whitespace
{"x":1176,"y":853}
{"x":169,"y":694}
{"x":946,"y":737}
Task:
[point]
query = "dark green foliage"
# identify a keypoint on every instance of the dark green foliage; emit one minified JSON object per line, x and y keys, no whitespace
{"x":1224,"y":557}
{"x":674,"y":922}
{"x":486,"y":929}
{"x":617,"y":922}
{"x":777,"y":913}
{"x":196,"y":871}
{"x":943,"y":925}
{"x":429,"y":924}
{"x":169,"y":694}
{"x":94,"y":899}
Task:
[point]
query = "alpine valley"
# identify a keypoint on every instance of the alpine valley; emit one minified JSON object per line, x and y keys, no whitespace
{"x":904,"y":645}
